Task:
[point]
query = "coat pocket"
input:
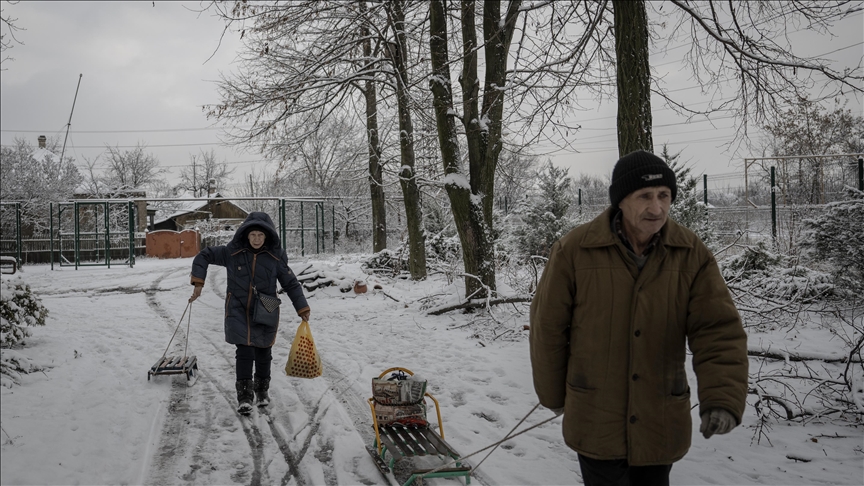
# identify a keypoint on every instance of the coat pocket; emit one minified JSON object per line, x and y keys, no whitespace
{"x":678,"y":424}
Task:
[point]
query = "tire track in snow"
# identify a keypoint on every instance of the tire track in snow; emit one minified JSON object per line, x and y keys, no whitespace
{"x":217,"y":283}
{"x":338,"y":390}
{"x":173,"y":433}
{"x":175,"y":428}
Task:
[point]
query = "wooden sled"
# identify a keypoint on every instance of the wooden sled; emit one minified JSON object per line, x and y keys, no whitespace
{"x":174,"y":365}
{"x":413,"y":438}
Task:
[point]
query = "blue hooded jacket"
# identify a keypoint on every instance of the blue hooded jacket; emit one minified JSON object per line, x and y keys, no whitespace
{"x":245,"y":267}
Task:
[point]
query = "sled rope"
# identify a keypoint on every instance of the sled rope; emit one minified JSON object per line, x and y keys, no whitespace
{"x":506,"y":437}
{"x":188,"y":322}
{"x":188,"y":307}
{"x":495,"y":445}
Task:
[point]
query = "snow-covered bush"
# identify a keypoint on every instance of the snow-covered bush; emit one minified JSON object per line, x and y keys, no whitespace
{"x":759,"y":272}
{"x":837,"y":237}
{"x":443,"y":248}
{"x":19,"y":308}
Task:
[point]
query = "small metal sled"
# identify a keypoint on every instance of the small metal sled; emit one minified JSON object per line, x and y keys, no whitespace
{"x":411,"y":438}
{"x":176,"y":365}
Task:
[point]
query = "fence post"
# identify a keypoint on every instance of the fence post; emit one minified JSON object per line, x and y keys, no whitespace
{"x":580,"y":204}
{"x":107,"y":234}
{"x":705,"y":189}
{"x":861,"y":173}
{"x":18,"y":234}
{"x":77,"y":236}
{"x":51,"y":233}
{"x":130,"y":210}
{"x":773,"y":209}
{"x":282,"y":223}
{"x":317,"y":230}
{"x":302,"y":233}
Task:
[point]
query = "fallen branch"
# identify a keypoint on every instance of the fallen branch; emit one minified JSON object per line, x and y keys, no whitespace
{"x":790,"y":414}
{"x":387,"y":295}
{"x":793,"y":357}
{"x":474,"y":303}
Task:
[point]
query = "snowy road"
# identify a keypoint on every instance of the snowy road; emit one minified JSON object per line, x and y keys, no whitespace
{"x":93,"y":418}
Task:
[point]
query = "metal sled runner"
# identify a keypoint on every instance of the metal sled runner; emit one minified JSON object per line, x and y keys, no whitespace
{"x":175,"y":365}
{"x":401,"y":430}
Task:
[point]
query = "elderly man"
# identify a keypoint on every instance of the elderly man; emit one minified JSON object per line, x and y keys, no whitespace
{"x":619,"y":300}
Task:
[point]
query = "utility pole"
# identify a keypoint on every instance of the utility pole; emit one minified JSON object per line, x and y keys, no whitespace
{"x":194,"y":179}
{"x":69,"y":125}
{"x":251,"y":187}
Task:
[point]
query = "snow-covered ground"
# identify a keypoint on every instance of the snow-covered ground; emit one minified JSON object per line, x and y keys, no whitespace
{"x":92,"y":417}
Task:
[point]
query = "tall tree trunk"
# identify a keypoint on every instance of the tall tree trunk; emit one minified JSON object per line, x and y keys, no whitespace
{"x":634,"y":76}
{"x":407,"y":174}
{"x":466,"y":198}
{"x":498,"y":36}
{"x":376,"y":179}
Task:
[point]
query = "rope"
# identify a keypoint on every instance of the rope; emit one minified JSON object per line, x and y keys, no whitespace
{"x":188,"y":321}
{"x":177,"y":328}
{"x":495,"y":445}
{"x":506,"y":437}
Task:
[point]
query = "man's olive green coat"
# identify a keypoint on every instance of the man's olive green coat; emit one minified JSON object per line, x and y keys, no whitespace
{"x":608,"y":342}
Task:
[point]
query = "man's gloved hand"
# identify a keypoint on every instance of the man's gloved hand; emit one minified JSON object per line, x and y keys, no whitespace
{"x":558,"y":411}
{"x":716,"y":421}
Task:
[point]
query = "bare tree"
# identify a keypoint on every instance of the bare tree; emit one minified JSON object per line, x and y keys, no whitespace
{"x":516,"y":174}
{"x":204,"y":167}
{"x":300,"y":61}
{"x":8,"y":40}
{"x":326,"y":163}
{"x":130,"y":169}
{"x":398,"y":53}
{"x":472,"y":194}
{"x":369,"y":89}
{"x":564,"y":50}
{"x":633,"y":76}
{"x":809,"y":129}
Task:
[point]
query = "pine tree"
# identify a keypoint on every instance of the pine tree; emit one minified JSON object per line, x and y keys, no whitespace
{"x":688,"y":208}
{"x":545,"y":218}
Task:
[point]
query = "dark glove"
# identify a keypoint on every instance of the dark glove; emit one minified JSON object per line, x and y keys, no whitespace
{"x":717,"y":421}
{"x":557,"y":411}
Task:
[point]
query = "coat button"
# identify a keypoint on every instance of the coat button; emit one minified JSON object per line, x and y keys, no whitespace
{"x":635,"y":376}
{"x":637,"y":333}
{"x":632,"y":419}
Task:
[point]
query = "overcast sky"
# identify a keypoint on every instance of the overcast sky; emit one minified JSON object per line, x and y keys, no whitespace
{"x":146,"y":75}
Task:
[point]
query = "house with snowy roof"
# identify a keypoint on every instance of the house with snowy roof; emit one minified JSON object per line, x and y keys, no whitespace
{"x":190,"y":213}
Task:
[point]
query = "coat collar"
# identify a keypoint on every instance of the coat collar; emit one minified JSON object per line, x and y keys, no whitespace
{"x":599,"y":233}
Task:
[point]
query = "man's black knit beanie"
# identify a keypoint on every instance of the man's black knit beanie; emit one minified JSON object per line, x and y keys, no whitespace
{"x":638,"y":170}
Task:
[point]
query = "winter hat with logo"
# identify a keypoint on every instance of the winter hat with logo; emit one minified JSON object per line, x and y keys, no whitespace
{"x":638,"y":170}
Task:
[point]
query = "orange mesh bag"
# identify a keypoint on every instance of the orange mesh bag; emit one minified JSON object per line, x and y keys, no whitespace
{"x":303,"y":361}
